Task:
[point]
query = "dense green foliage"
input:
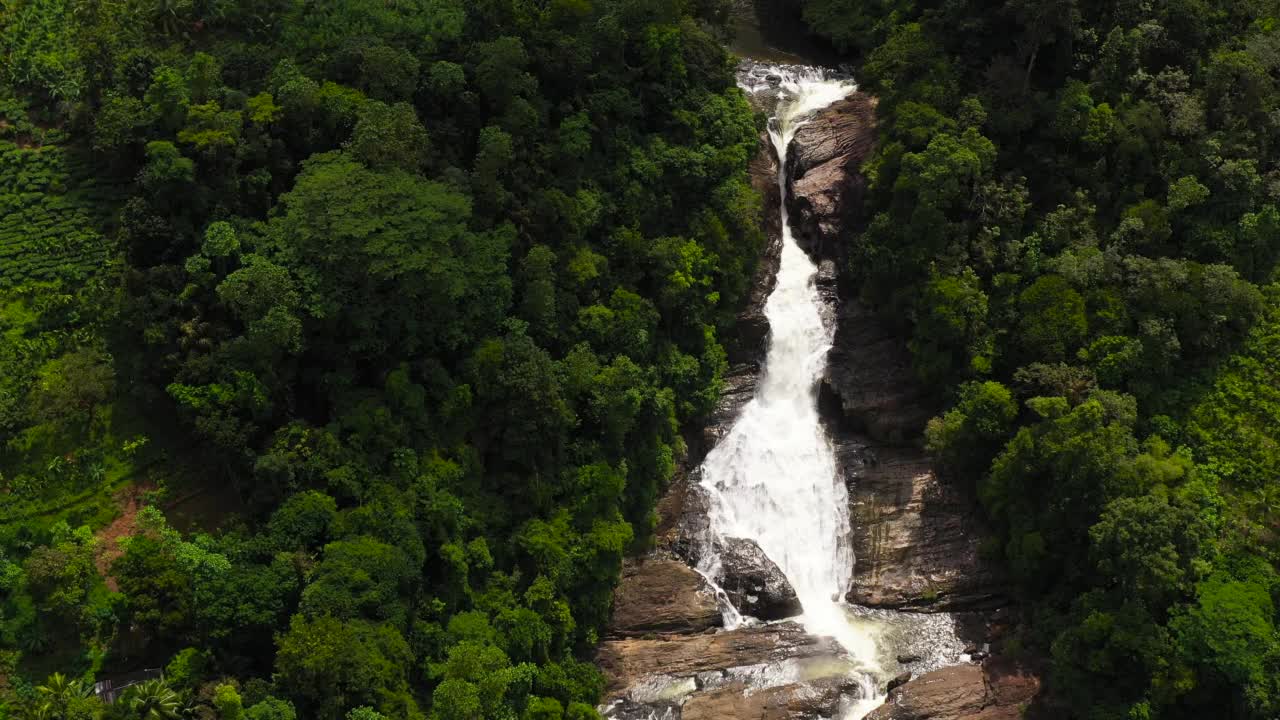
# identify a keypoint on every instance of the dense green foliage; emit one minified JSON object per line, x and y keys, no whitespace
{"x":431,"y":285}
{"x":1074,"y":212}
{"x":430,"y":288}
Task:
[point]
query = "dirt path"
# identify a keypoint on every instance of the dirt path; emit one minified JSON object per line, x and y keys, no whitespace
{"x":130,"y":500}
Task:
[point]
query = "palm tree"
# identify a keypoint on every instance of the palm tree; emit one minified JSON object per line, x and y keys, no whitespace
{"x":59,"y":686}
{"x":153,"y":700}
{"x":61,"y":691}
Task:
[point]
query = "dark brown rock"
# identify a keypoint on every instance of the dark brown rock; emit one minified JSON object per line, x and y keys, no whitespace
{"x":682,"y":516}
{"x":739,"y":388}
{"x":898,"y":681}
{"x":845,"y":130}
{"x":1009,"y":685}
{"x":996,"y":691}
{"x":915,"y":539}
{"x":870,"y":379}
{"x":754,"y":583}
{"x":752,"y":328}
{"x":824,"y":168}
{"x":662,"y":596}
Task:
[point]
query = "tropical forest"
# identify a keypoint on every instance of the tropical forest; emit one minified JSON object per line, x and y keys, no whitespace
{"x":503,"y":359}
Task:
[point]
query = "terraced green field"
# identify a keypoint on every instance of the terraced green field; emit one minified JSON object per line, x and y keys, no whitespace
{"x":50,"y":207}
{"x":51,"y":250}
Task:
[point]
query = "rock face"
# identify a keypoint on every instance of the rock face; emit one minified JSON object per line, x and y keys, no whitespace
{"x":752,"y":326}
{"x":628,"y":662}
{"x":754,"y":584}
{"x":658,"y":595}
{"x":682,"y":516}
{"x":725,"y":675}
{"x":916,"y":539}
{"x":751,"y":581}
{"x":870,"y":379}
{"x":739,"y":388}
{"x":826,"y":185}
{"x":995,"y":691}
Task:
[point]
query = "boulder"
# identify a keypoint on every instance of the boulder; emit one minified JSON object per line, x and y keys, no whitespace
{"x":897,"y":682}
{"x":996,"y":691}
{"x":845,"y":130}
{"x":916,"y":539}
{"x":948,"y":694}
{"x":753,"y":583}
{"x":659,"y":595}
{"x":1010,"y":686}
{"x":825,"y":183}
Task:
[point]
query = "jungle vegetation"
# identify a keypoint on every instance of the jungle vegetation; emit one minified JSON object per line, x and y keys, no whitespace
{"x":1074,"y":214}
{"x":347,"y":345}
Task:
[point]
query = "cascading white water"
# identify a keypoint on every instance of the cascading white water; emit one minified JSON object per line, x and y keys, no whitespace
{"x":773,"y":477}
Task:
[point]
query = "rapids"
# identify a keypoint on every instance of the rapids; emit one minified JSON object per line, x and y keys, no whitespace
{"x":773,"y":478}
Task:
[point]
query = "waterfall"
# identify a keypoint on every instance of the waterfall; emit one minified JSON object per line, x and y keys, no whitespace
{"x":773,"y":477}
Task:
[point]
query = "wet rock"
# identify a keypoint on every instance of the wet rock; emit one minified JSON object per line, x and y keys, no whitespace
{"x":997,"y":691}
{"x":682,"y":517}
{"x":750,"y":673}
{"x":898,"y":681}
{"x":795,"y":701}
{"x":748,"y":342}
{"x":905,"y":659}
{"x":739,"y":388}
{"x":843,"y":131}
{"x":825,"y":181}
{"x":827,"y":274}
{"x":646,"y":669}
{"x":916,"y":540}
{"x":662,"y":596}
{"x":754,"y":583}
{"x":870,"y":379}
{"x":826,"y":280}
{"x":630,"y":710}
{"x":948,"y":694}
